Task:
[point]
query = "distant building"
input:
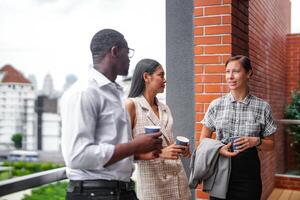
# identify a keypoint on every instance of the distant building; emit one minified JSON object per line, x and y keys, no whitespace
{"x":70,"y":80}
{"x":48,"y":124}
{"x":33,"y":80}
{"x":17,"y":96}
{"x":48,"y":88}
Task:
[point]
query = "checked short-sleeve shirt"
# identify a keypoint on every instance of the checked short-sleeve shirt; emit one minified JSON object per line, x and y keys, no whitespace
{"x":249,"y":117}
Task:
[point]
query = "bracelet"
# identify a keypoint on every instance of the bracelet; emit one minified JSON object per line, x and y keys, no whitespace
{"x":260,"y":142}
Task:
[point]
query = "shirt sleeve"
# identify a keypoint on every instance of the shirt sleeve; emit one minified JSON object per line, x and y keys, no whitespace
{"x":270,"y":125}
{"x":209,"y":117}
{"x":79,"y":120}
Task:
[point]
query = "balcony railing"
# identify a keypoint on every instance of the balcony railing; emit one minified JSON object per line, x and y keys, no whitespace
{"x":30,"y":181}
{"x":289,"y":121}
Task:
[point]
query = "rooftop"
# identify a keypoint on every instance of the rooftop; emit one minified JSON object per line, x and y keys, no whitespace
{"x":8,"y":74}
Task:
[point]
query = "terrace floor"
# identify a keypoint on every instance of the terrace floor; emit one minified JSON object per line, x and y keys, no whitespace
{"x":284,"y":194}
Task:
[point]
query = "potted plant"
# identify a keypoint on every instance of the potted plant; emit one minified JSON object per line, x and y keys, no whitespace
{"x":292,"y":111}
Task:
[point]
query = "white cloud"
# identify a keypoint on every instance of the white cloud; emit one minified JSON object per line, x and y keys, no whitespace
{"x":39,"y":36}
{"x":295,"y":16}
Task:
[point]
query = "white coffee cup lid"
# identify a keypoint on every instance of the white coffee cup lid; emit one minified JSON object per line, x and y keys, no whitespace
{"x":182,"y":139}
{"x":152,"y":127}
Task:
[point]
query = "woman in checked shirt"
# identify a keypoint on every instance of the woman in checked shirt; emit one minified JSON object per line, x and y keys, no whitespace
{"x":239,"y":113}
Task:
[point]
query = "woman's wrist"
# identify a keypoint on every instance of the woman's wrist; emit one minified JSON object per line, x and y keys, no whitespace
{"x":259,"y":142}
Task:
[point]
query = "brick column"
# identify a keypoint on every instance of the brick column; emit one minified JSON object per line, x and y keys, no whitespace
{"x":293,"y":64}
{"x":220,"y":30}
{"x":212,"y":40}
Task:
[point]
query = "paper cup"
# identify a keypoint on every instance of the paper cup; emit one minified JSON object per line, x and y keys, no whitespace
{"x":181,"y":140}
{"x":232,"y":139}
{"x":152,"y":129}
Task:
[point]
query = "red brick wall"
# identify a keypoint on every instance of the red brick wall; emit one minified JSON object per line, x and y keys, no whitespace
{"x":255,"y":28}
{"x":213,"y":46}
{"x":293,"y":63}
{"x":293,"y":83}
{"x":288,"y":182}
{"x":268,"y":26}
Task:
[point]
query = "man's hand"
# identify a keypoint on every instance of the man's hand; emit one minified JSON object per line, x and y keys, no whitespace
{"x":147,"y":156}
{"x":145,"y":143}
{"x":139,"y":145}
{"x":225,"y":151}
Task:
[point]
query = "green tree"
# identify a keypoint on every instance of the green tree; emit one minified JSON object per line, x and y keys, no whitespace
{"x":293,"y":112}
{"x":17,"y":140}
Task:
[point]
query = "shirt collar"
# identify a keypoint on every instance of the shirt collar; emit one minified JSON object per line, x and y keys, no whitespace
{"x":98,"y":77}
{"x":145,"y":104}
{"x":101,"y":79}
{"x":246,"y":100}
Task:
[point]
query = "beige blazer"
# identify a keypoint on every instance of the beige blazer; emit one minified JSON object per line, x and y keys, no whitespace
{"x":158,"y":179}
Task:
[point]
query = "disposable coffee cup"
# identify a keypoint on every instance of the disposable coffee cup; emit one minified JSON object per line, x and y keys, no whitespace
{"x":181,"y":140}
{"x":233,"y":146}
{"x":152,"y":129}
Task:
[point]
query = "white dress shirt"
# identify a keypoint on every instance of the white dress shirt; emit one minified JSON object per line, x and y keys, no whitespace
{"x":94,"y":120}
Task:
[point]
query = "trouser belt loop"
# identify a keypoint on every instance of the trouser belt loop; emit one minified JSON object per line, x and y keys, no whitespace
{"x":80,"y":186}
{"x":118,"y":190}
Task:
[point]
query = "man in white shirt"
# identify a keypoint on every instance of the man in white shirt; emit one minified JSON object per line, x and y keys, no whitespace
{"x":96,"y":135}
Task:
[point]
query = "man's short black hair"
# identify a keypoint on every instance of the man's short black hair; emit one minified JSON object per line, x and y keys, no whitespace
{"x":104,"y":40}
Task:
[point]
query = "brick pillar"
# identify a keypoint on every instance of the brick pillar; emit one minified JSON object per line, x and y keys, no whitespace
{"x":293,"y":63}
{"x":220,"y":30}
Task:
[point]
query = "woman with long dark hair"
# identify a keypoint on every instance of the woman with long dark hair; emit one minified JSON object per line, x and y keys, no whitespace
{"x":160,"y":176}
{"x":243,"y":115}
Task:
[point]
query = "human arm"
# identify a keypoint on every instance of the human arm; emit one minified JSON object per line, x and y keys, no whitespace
{"x":130,"y":106}
{"x":81,"y":150}
{"x":139,"y":145}
{"x":224,"y":150}
{"x":266,"y":140}
{"x":79,"y":113}
{"x":173,"y":151}
{"x":266,"y":143}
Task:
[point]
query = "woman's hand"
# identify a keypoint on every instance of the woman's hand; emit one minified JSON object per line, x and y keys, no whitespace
{"x":186,"y":150}
{"x":172,"y":151}
{"x":225,"y":151}
{"x":246,"y":142}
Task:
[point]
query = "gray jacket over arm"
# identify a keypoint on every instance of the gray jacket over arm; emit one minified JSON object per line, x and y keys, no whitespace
{"x":211,"y":168}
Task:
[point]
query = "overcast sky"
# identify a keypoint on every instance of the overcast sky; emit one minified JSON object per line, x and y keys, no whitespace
{"x":53,"y":36}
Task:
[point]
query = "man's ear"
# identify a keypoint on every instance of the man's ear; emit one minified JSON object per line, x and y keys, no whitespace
{"x":114,"y":51}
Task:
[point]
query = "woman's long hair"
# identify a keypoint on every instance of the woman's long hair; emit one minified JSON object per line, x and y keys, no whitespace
{"x":138,"y":82}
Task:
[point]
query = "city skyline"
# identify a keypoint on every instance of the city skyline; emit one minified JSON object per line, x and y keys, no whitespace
{"x":41,"y":37}
{"x":52,"y":37}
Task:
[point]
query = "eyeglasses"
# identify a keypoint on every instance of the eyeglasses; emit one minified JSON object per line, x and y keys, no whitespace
{"x":130,"y":52}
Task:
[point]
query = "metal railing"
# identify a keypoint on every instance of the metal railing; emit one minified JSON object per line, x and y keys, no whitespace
{"x":289,"y":121}
{"x":30,"y":181}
